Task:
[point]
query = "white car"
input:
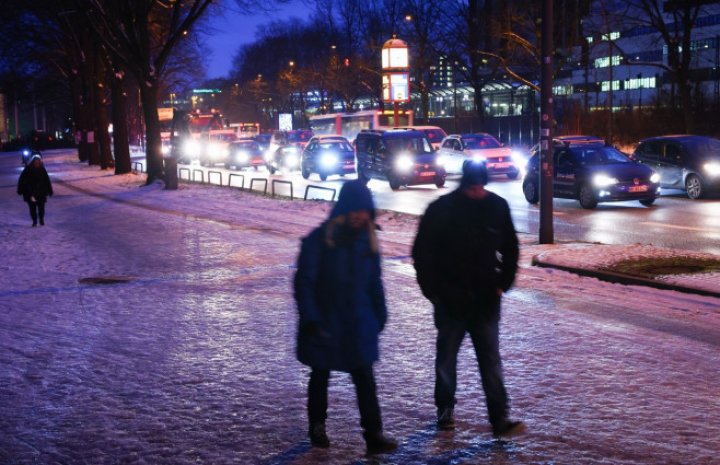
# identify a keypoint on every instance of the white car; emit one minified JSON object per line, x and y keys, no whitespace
{"x":499,"y":159}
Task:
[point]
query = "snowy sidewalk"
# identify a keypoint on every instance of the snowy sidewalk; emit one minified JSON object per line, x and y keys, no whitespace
{"x":188,"y":358}
{"x":597,"y":260}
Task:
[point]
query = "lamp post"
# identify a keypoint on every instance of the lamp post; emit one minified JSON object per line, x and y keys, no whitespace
{"x":395,"y":74}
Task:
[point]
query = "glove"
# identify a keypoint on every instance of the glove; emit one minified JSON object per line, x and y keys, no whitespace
{"x":32,"y":199}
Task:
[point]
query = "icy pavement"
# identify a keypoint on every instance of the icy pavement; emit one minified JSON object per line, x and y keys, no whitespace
{"x":189,"y":357}
{"x":596,"y":259}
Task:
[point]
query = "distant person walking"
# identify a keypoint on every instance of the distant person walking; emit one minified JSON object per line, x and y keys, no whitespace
{"x":341,"y":303}
{"x":35,"y":187}
{"x":465,"y":255}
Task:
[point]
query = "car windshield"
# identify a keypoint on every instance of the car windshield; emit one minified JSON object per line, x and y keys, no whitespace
{"x":481,"y":142}
{"x":300,"y":136}
{"x":599,"y":155}
{"x":435,"y":135}
{"x":339,"y":146}
{"x":410,"y":144}
{"x":705,"y":147}
{"x":247,"y":145}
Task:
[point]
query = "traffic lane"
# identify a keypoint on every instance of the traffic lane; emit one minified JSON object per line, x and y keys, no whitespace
{"x":674,"y":221}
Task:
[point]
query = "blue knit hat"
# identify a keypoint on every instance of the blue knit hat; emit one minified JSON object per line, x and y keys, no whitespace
{"x":354,"y":196}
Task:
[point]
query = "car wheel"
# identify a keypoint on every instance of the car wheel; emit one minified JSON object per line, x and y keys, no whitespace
{"x":394,"y":182}
{"x":440,"y":182}
{"x":647,"y":202}
{"x":271,"y":169}
{"x":513,"y":174}
{"x":305,"y":172}
{"x":694,"y":187}
{"x":530,"y":189}
{"x":323,"y":176}
{"x":586,"y":197}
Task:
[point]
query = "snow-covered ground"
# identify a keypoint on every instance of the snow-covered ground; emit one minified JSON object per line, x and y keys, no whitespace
{"x":189,"y":357}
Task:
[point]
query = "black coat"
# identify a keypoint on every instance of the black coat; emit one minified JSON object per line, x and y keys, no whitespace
{"x":465,"y":250}
{"x":34,"y":182}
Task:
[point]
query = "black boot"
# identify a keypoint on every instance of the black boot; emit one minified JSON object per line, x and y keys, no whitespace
{"x":378,"y":443}
{"x":318,"y":436}
{"x":508,"y":428}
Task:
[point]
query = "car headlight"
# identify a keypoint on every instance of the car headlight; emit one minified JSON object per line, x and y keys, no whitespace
{"x":26,"y":152}
{"x":655,"y":178}
{"x":268,"y":156}
{"x":242,"y":156}
{"x":404,"y":163}
{"x":291,"y":159}
{"x":712,"y":168}
{"x":441,"y":160}
{"x":603,"y":180}
{"x":191,"y":147}
{"x":328,"y":160}
{"x":519,"y":158}
{"x":165,"y":149}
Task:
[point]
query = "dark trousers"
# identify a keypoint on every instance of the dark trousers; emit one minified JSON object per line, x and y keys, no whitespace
{"x":484,"y":334}
{"x":364,"y":381}
{"x":37,"y":210}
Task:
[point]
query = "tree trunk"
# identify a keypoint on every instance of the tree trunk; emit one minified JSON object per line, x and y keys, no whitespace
{"x":76,"y":85}
{"x":101,"y":113}
{"x":153,"y":149}
{"x":120,"y":125}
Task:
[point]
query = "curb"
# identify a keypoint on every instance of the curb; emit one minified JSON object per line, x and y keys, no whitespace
{"x":620,"y":278}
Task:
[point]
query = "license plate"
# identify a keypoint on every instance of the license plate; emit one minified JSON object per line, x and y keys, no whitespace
{"x":498,"y":165}
{"x":637,"y":189}
{"x":427,"y":173}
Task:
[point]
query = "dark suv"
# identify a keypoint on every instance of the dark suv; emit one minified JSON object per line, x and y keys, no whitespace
{"x":684,"y":162}
{"x":592,"y":173}
{"x":402,"y":157}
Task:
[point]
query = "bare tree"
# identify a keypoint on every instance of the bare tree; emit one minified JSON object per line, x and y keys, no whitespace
{"x":142,"y":35}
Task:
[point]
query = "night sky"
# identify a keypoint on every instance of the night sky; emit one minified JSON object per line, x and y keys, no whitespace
{"x":235,"y":29}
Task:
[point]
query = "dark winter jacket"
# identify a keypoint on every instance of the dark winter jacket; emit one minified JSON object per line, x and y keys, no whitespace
{"x":34,"y":182}
{"x":339,"y":291}
{"x":465,"y":250}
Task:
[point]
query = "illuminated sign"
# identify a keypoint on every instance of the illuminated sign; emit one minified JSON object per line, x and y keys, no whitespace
{"x":207,"y":91}
{"x":395,"y":87}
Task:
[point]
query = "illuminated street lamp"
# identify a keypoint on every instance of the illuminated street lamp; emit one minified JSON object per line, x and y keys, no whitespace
{"x":395,"y":74}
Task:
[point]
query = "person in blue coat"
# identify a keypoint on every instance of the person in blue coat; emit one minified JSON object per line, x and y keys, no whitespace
{"x":341,"y":305}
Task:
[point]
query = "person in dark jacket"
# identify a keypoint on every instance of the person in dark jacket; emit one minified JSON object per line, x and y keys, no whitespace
{"x":465,"y":255}
{"x":341,"y":304}
{"x":35,"y":187}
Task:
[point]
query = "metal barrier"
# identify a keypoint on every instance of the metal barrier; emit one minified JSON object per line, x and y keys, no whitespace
{"x":252,"y":181}
{"x":219,"y":173}
{"x":280,"y":181}
{"x":180,"y":172}
{"x":201,"y":177}
{"x":135,"y":164}
{"x":241,"y":176}
{"x":310,"y":186}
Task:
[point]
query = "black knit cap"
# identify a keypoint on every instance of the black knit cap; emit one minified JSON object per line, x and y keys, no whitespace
{"x":474,"y":173}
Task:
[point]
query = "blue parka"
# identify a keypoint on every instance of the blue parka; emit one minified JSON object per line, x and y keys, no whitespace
{"x":339,"y":291}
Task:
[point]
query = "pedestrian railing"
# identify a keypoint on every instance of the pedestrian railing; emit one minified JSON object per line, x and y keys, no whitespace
{"x":242,"y":180}
{"x":180,"y":173}
{"x":280,"y":181}
{"x":137,"y":166}
{"x":310,"y":186}
{"x":263,"y":180}
{"x":202,"y":175}
{"x":219,"y":173}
